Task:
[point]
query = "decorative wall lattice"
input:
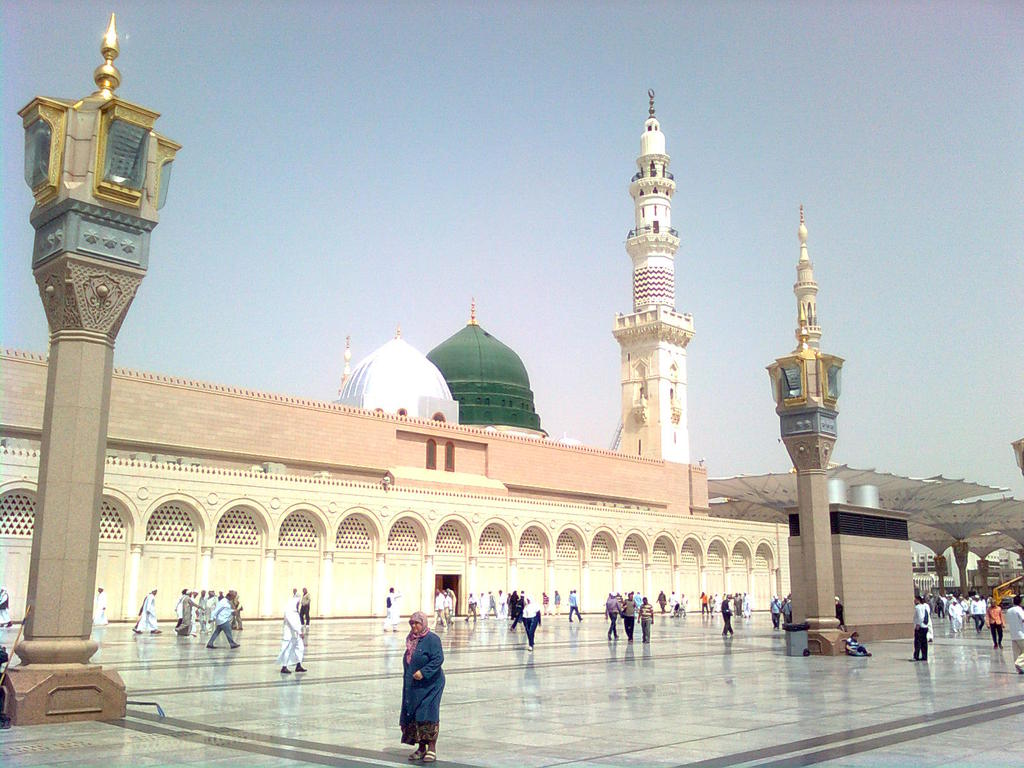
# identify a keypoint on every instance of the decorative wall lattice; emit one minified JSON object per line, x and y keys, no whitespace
{"x":17,"y":514}
{"x":298,"y":532}
{"x":491,"y":542}
{"x":738,"y":561}
{"x":403,"y":538}
{"x":716,"y":556}
{"x":237,"y":528}
{"x":565,"y":547}
{"x":354,"y":536}
{"x":631,"y":550}
{"x":529,"y":544}
{"x":661,"y":555}
{"x":171,"y":524}
{"x":449,"y":541}
{"x":111,"y":524}
{"x":763,"y":558}
{"x":689,"y":556}
{"x":601,"y":549}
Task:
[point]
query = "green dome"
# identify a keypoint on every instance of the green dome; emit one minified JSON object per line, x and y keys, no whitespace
{"x":487,"y":378}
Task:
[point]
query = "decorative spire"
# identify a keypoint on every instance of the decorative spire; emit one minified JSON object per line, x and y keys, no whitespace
{"x":472,"y":312}
{"x":398,"y":331}
{"x":806,"y":290}
{"x":107,"y":76}
{"x":347,"y":373}
{"x":802,"y":234}
{"x":650,"y":95}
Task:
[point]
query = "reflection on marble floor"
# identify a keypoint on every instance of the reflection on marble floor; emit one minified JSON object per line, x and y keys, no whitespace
{"x":690,"y":697}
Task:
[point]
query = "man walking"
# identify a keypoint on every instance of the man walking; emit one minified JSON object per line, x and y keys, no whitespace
{"x":776,"y":608}
{"x":726,"y":617}
{"x":147,"y":616}
{"x":574,"y":606}
{"x":628,"y":616}
{"x":611,"y":610}
{"x":922,"y":618}
{"x":304,"y":602}
{"x":647,"y":618}
{"x":222,"y":616}
{"x":393,"y":612}
{"x":1014,"y":619}
{"x":531,"y":618}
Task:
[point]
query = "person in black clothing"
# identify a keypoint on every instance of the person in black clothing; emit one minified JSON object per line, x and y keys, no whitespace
{"x":727,"y":616}
{"x":840,"y":614}
{"x":515,"y":609}
{"x":628,"y":611}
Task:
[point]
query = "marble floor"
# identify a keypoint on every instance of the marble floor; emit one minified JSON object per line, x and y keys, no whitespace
{"x":689,"y":698}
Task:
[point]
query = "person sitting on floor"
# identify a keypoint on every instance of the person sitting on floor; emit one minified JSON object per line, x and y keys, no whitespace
{"x":854,"y":648}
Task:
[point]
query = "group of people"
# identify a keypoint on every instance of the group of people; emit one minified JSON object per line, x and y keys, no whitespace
{"x":629,"y":607}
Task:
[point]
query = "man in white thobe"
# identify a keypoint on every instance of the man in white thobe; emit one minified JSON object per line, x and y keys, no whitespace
{"x":394,"y":613}
{"x":211,"y":604}
{"x":147,"y":616}
{"x":746,"y":606}
{"x":99,"y":608}
{"x":292,"y":646}
{"x":5,"y":608}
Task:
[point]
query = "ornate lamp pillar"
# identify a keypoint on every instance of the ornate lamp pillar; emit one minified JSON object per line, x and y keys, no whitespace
{"x":805,"y":386}
{"x":1018,"y":453}
{"x":98,"y":173}
{"x":941,"y":570}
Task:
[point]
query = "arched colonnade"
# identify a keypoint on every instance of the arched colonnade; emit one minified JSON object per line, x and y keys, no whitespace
{"x":176,"y":541}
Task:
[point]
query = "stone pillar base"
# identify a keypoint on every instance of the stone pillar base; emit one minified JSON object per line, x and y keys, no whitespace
{"x":63,"y":693}
{"x":826,"y":642}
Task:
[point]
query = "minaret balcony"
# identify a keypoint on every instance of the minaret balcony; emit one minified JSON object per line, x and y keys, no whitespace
{"x":666,"y":232}
{"x":658,"y":323}
{"x":641,"y":175}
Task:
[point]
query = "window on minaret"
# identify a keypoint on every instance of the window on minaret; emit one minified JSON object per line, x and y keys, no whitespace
{"x":431,"y":454}
{"x":653,"y":172}
{"x":656,"y":230}
{"x":449,"y":457}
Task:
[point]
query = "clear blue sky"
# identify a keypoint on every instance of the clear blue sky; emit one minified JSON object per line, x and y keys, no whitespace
{"x":349,"y":167}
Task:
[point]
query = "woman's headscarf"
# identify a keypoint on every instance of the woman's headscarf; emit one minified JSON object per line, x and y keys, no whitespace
{"x":413,"y":638}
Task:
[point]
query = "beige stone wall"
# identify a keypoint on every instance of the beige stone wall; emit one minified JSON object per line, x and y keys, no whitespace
{"x":874,"y":581}
{"x":219,"y":524}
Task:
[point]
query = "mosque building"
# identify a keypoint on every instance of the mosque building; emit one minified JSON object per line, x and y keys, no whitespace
{"x":428,"y":470}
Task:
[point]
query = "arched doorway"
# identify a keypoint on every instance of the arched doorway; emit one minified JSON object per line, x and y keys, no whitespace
{"x":602,"y":570}
{"x":568,"y":575}
{"x":689,"y":571}
{"x":112,"y":557}
{"x":451,"y":549}
{"x":739,"y":569}
{"x":237,"y":555}
{"x":17,"y":521}
{"x":406,"y":546}
{"x":299,"y":544}
{"x":352,"y":588}
{"x":661,"y":568}
{"x":492,"y":562}
{"x":632,"y":565}
{"x":170,"y":555}
{"x":717,"y":558}
{"x":763,"y":566}
{"x":532,"y":556}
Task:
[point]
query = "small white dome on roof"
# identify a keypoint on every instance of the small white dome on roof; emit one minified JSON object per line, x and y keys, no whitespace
{"x":398,"y":379}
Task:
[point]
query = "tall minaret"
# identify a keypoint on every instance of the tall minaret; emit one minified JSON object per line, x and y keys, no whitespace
{"x":806,"y":290}
{"x":654,"y":337}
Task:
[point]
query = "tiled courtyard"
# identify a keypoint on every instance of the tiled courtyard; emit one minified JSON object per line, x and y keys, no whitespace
{"x":688,"y":698}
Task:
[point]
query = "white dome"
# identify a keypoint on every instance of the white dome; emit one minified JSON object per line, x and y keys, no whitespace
{"x":394,"y":378}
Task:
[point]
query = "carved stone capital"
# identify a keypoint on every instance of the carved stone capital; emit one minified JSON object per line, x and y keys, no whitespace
{"x":85,"y":294}
{"x":810,"y":451}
